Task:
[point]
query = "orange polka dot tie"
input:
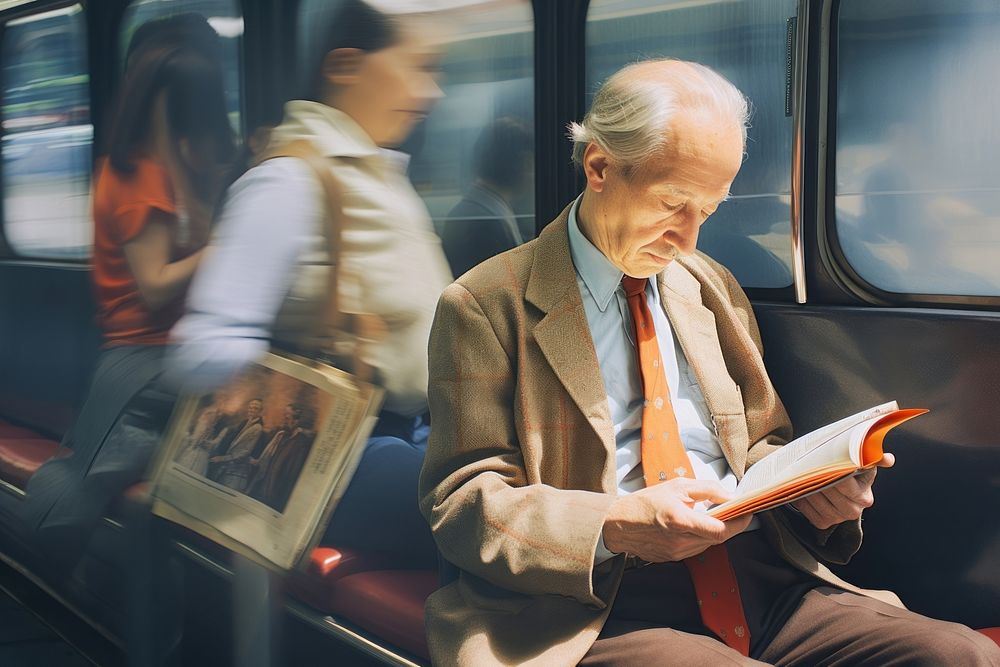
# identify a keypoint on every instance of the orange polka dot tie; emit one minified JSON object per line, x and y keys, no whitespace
{"x":663,"y":458}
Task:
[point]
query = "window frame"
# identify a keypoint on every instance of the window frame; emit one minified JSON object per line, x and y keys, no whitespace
{"x":832,"y":250}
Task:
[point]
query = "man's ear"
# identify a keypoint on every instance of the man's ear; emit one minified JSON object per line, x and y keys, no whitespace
{"x":341,"y":67}
{"x":595,"y":166}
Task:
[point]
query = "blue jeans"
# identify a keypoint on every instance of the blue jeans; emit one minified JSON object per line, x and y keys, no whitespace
{"x":379,"y":511}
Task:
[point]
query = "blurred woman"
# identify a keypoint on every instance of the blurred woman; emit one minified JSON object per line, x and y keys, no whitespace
{"x":370,"y":77}
{"x":168,"y":144}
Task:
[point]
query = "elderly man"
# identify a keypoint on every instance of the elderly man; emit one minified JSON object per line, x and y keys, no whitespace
{"x":592,"y":389}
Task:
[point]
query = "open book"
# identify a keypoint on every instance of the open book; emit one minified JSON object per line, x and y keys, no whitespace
{"x":814,"y":461}
{"x":259,"y":464}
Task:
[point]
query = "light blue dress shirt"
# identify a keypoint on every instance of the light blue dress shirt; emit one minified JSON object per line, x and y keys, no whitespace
{"x":610,"y":325}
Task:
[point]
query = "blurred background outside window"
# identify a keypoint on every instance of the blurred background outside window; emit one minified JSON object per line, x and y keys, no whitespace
{"x":47,"y":134}
{"x":918,"y":134}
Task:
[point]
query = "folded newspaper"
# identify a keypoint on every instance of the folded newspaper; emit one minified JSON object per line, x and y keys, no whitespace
{"x":259,"y":464}
{"x":814,"y":461}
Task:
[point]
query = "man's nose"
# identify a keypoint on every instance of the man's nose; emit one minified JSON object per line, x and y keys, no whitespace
{"x":687,"y":233}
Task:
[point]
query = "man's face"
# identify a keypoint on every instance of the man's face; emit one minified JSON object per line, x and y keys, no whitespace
{"x":641,"y":221}
{"x":290,"y":420}
{"x":254,"y":409}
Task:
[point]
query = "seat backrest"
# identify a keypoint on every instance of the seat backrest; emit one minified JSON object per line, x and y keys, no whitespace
{"x":48,"y":344}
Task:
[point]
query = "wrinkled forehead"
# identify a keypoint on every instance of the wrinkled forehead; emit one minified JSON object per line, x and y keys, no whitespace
{"x":704,"y":128}
{"x":702,"y":153}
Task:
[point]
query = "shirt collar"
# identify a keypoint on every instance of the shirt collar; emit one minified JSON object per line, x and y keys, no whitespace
{"x":599,"y":275}
{"x":333,"y":132}
{"x":398,"y":159}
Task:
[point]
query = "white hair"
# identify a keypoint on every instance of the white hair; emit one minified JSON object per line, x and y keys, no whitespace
{"x":631,"y":114}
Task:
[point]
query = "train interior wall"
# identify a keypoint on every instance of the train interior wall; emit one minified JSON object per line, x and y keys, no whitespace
{"x":932,"y":535}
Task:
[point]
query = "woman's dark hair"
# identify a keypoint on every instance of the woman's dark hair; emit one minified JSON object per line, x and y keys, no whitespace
{"x":178,"y":57}
{"x":339,"y":24}
{"x":189,"y":28}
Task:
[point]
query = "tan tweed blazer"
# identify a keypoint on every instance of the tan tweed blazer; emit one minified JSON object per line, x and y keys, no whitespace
{"x":520,"y":468}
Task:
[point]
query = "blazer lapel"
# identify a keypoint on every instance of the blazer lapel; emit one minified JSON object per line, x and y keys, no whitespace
{"x":563,"y":334}
{"x":695,"y":328}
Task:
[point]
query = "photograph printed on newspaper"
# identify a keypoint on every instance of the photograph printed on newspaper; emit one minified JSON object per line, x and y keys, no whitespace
{"x":260,"y":463}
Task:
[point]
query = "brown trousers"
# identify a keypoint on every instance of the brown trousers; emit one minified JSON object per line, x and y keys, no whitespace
{"x":793,"y":621}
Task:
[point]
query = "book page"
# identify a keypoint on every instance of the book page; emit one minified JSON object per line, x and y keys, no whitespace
{"x":822,"y":448}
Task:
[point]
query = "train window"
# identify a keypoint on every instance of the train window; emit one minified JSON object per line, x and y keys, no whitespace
{"x":472,"y":160}
{"x":917,"y":135}
{"x":225,"y":16}
{"x":746,"y":43}
{"x":47,"y":134}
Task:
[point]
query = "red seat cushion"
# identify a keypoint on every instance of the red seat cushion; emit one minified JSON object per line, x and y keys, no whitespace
{"x":315,"y":584}
{"x":387,"y":603}
{"x":992,"y":633}
{"x":11,"y":431}
{"x":20,"y":457}
{"x":330,"y":564}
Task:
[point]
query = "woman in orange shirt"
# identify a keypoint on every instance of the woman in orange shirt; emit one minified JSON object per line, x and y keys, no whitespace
{"x":169,"y":142}
{"x":156,"y":189}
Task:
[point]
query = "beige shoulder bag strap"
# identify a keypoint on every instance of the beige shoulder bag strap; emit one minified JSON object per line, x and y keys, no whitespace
{"x":333,"y":324}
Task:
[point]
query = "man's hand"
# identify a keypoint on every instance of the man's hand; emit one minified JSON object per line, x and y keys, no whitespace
{"x":658,"y":524}
{"x":844,"y":501}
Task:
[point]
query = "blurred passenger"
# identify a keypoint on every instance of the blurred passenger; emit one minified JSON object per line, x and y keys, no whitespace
{"x":231,"y":467}
{"x":277,"y":469}
{"x":168,"y":142}
{"x":370,"y":77}
{"x":483,"y":223}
